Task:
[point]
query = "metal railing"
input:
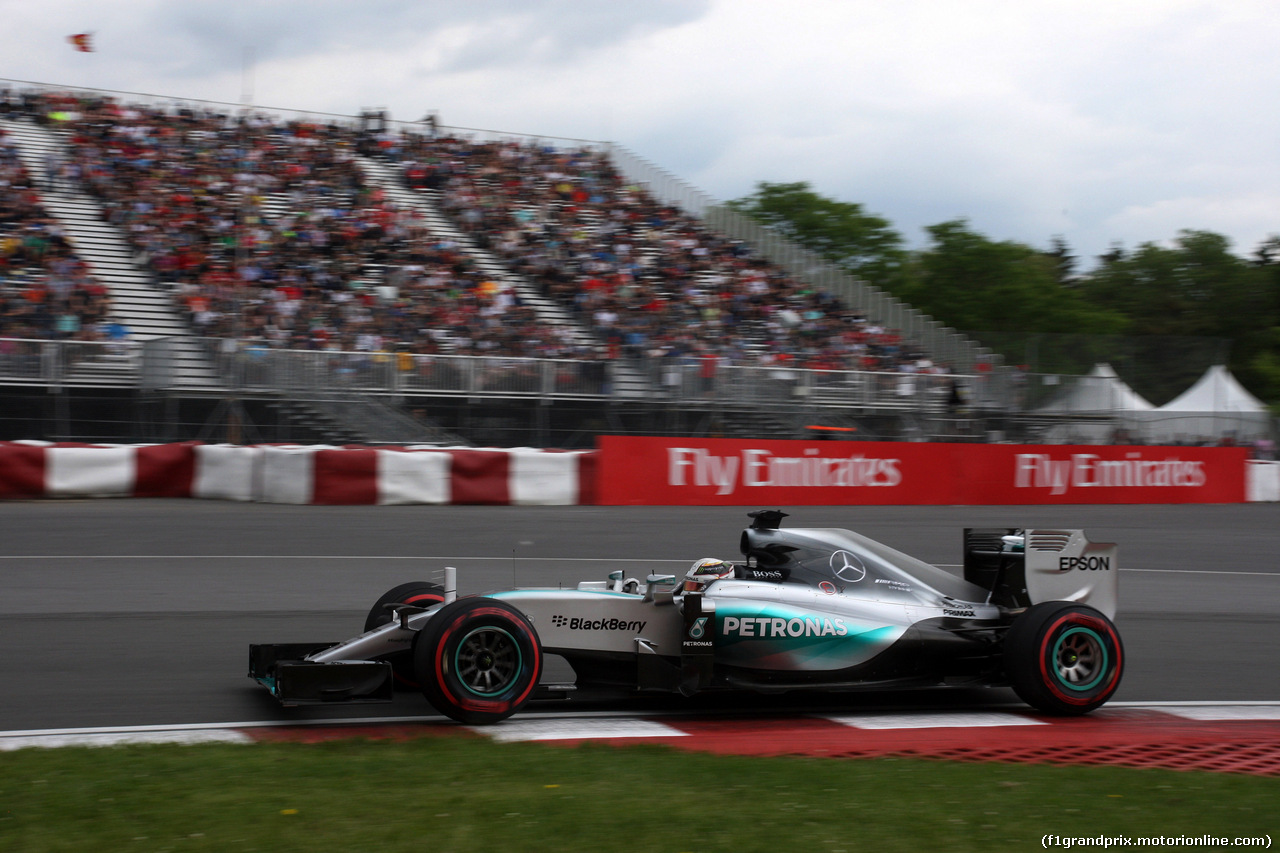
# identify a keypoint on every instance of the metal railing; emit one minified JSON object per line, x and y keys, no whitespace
{"x":158,"y":366}
{"x":63,"y":362}
{"x":309,"y":374}
{"x":784,"y":387}
{"x":662,"y":185}
{"x":321,"y":374}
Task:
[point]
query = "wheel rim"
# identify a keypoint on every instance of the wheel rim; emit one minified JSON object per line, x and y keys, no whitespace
{"x":1080,"y":659}
{"x":487,"y":661}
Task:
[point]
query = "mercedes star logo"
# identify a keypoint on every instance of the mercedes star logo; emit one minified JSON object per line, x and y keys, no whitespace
{"x":847,"y":567}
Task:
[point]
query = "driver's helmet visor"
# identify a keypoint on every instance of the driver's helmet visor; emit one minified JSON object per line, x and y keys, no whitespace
{"x":710,"y":568}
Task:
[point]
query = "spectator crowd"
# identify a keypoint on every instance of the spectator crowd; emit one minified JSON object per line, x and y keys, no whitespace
{"x":46,"y":291}
{"x":269,"y":231}
{"x":650,"y":280}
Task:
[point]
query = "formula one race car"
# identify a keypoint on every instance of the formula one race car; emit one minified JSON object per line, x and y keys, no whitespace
{"x":809,"y":609}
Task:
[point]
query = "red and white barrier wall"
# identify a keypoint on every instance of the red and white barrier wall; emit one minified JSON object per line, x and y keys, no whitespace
{"x":1262,"y":481}
{"x":299,"y":474}
{"x":734,"y":472}
{"x":644,"y":471}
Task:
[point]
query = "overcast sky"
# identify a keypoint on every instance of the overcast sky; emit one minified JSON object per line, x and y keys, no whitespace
{"x":1100,"y":121}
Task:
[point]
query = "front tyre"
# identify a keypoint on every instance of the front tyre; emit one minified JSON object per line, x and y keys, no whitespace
{"x":419,"y":594}
{"x":478,"y":660}
{"x":1063,"y":658}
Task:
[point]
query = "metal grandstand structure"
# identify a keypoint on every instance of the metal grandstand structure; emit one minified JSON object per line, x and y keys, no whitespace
{"x":162,"y":357}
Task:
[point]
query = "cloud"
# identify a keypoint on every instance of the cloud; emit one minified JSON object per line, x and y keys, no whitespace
{"x":1099,"y":120}
{"x":1230,"y":214}
{"x":456,"y":37}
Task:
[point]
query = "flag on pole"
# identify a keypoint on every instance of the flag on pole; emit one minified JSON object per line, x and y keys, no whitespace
{"x":81,"y":42}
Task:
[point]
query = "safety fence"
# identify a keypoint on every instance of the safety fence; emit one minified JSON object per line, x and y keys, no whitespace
{"x":54,"y":362}
{"x":255,"y":367}
{"x":787,"y":387}
{"x":677,"y":379}
{"x":252,"y":366}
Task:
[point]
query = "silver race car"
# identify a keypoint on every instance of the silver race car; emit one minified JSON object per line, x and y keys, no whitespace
{"x":809,"y":609}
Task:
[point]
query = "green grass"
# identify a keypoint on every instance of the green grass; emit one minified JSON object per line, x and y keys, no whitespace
{"x":442,"y":794}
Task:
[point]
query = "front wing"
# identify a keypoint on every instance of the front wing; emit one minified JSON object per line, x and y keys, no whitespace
{"x":282,"y":669}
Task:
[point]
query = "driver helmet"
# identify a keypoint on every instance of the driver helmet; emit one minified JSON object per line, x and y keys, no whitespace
{"x":710,"y":568}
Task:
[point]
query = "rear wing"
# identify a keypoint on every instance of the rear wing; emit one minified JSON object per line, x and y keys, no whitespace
{"x":1021,"y":567}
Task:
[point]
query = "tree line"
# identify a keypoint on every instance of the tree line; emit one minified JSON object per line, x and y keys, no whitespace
{"x":1163,"y":312}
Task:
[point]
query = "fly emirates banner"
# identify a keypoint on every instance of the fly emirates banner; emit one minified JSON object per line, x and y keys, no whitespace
{"x":732,"y":472}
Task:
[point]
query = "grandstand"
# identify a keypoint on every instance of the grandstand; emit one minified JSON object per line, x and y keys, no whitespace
{"x":278,"y":276}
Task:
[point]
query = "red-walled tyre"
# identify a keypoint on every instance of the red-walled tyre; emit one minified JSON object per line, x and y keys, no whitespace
{"x":478,"y":660}
{"x":1063,"y":658}
{"x":418,"y":593}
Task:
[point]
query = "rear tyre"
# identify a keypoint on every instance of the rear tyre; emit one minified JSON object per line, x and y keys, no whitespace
{"x":419,"y":594}
{"x":1063,"y":658}
{"x":478,"y":660}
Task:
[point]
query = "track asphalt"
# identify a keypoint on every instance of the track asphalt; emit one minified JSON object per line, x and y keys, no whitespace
{"x":129,"y":620}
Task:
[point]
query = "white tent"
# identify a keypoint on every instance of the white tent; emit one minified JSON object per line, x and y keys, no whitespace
{"x":1099,"y":394}
{"x":1216,"y":391}
{"x":1215,"y":407}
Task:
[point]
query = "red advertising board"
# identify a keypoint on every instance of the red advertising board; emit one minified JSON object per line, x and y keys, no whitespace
{"x":734,"y":472}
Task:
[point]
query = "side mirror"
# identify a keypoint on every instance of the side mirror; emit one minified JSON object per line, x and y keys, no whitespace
{"x":660,"y":589}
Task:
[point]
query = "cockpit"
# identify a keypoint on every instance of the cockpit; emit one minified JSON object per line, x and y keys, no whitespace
{"x":838,"y":561}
